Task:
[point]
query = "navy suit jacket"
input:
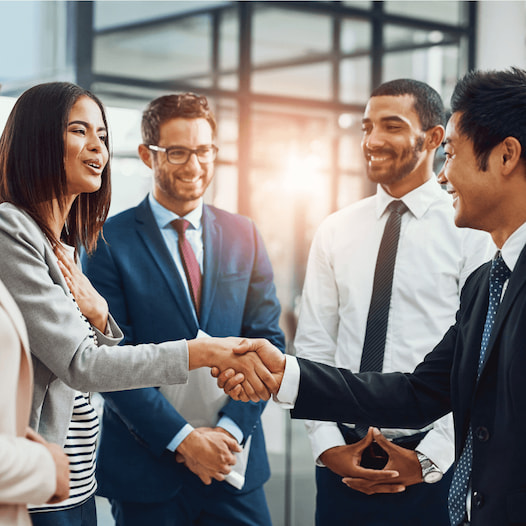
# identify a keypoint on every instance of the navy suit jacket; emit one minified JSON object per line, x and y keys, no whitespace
{"x":446,"y":380}
{"x":136,"y":274}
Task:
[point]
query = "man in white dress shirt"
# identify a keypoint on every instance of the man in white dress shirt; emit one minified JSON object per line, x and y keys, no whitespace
{"x":402,"y":128}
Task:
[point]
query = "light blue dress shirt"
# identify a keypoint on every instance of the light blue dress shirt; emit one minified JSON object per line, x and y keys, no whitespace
{"x":194,"y":235}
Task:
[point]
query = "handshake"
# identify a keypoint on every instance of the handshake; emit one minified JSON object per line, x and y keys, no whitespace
{"x":247,"y":369}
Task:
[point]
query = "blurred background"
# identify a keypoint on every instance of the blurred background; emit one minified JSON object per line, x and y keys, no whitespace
{"x":288,"y":82}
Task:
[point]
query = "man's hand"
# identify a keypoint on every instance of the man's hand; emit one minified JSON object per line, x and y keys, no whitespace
{"x":345,"y":461}
{"x":61,"y":461}
{"x":208,"y":453}
{"x":233,"y":382}
{"x":401,"y":460}
{"x":254,"y":381}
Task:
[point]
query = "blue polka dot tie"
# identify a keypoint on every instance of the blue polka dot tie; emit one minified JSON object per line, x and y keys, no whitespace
{"x":458,"y":491}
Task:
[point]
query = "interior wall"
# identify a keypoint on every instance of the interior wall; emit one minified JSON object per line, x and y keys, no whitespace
{"x":501,"y":34}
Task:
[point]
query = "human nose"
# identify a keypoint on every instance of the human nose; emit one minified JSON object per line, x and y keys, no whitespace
{"x":441,"y":177}
{"x":193,"y":161}
{"x":96,"y":143}
{"x":373,"y":139}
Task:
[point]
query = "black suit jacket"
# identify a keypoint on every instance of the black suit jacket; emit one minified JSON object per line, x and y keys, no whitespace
{"x":446,"y":381}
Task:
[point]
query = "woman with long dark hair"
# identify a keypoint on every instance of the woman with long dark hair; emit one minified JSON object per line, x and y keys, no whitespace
{"x":55,"y":194}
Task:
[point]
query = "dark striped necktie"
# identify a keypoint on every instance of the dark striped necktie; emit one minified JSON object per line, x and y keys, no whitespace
{"x":378,"y":317}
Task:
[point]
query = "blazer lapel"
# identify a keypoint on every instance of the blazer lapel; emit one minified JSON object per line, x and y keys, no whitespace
{"x":515,"y":285}
{"x":150,"y":234}
{"x":212,"y":243}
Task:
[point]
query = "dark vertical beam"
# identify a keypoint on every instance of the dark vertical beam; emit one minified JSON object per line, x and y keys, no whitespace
{"x":215,"y":43}
{"x":336,"y":88}
{"x":80,"y":36}
{"x":472,"y":19}
{"x":244,"y":110}
{"x":377,"y":45}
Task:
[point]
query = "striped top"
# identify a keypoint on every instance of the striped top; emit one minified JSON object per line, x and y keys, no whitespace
{"x":81,"y":441}
{"x":80,"y":448}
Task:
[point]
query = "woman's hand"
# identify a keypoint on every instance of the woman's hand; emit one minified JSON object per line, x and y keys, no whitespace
{"x":90,"y":302}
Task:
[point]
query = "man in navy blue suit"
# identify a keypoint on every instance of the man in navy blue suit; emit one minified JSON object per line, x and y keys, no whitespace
{"x":173,"y":268}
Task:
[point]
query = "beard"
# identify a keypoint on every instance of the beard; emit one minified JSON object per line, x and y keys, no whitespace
{"x":407,"y":163}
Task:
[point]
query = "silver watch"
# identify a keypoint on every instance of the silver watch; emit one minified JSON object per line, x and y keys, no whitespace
{"x":430,"y":472}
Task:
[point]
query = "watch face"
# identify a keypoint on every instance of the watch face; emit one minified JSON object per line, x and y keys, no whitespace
{"x":432,"y":477}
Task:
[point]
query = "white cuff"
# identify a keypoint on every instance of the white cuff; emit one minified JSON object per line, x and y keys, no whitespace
{"x":288,"y":391}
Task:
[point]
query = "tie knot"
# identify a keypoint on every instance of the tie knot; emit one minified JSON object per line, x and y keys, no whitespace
{"x":499,"y":270}
{"x":180,"y":225}
{"x":399,"y":207}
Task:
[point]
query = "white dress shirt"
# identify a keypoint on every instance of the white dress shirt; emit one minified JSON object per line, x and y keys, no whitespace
{"x":434,"y":259}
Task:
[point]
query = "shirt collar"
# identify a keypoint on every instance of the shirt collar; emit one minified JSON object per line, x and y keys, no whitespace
{"x":417,"y":201}
{"x":163,"y":216}
{"x":512,"y":248}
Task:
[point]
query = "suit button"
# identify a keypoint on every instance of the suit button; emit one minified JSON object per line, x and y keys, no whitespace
{"x":482,"y":433}
{"x":478,"y":499}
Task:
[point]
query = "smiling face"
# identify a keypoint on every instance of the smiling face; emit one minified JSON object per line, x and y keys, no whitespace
{"x":85,"y":148}
{"x":476,"y":194}
{"x":393,"y":144}
{"x":180,"y":187}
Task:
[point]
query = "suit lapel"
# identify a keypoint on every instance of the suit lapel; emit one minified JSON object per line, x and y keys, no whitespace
{"x":152,"y":238}
{"x":212,"y":243}
{"x":515,"y":285}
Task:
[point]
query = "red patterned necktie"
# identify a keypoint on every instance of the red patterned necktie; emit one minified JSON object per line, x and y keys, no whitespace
{"x":190,"y":264}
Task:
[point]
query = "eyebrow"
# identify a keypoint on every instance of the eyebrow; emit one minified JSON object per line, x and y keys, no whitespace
{"x":390,"y":118}
{"x":85,"y":124}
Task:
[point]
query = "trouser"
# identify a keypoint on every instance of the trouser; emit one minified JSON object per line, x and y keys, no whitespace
{"x":83,"y":515}
{"x":200,"y":505}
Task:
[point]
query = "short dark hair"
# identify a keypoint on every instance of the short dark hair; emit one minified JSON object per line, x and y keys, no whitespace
{"x":32,"y":171}
{"x":492,"y":106}
{"x":177,"y":105}
{"x":428,"y":103}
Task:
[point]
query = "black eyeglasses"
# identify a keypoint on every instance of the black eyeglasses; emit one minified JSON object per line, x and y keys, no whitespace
{"x":180,"y":154}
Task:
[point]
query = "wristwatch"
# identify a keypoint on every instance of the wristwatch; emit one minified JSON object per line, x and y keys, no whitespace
{"x":430,"y":472}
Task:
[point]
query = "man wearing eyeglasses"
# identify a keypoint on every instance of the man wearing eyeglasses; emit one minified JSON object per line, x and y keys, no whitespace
{"x":174,"y":267}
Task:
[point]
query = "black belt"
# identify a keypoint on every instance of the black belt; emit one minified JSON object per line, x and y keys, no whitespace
{"x":374,"y":456}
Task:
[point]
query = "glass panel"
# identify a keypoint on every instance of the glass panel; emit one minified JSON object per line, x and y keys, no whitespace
{"x":355,"y":36}
{"x":33,"y":43}
{"x":438,"y":66}
{"x":313,"y":81}
{"x":115,"y":13}
{"x":395,"y":36}
{"x":282,"y":35}
{"x":131,"y":179}
{"x":223,"y":190}
{"x":229,"y":50}
{"x":362,"y":4}
{"x":449,"y":12}
{"x":171,"y":51}
{"x":355,"y":80}
{"x":351,"y":159}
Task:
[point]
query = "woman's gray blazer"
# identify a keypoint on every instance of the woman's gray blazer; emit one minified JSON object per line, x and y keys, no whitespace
{"x":65,"y":358}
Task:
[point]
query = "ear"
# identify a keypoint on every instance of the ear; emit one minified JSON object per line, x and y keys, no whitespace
{"x":510,"y":154}
{"x":435,"y":137}
{"x":146,"y":155}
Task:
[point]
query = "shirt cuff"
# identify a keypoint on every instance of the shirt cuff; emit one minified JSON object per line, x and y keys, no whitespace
{"x":177,"y":439}
{"x":229,"y":425}
{"x":288,"y":391}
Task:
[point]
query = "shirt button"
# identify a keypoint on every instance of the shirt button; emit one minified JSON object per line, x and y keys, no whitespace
{"x":482,"y":433}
